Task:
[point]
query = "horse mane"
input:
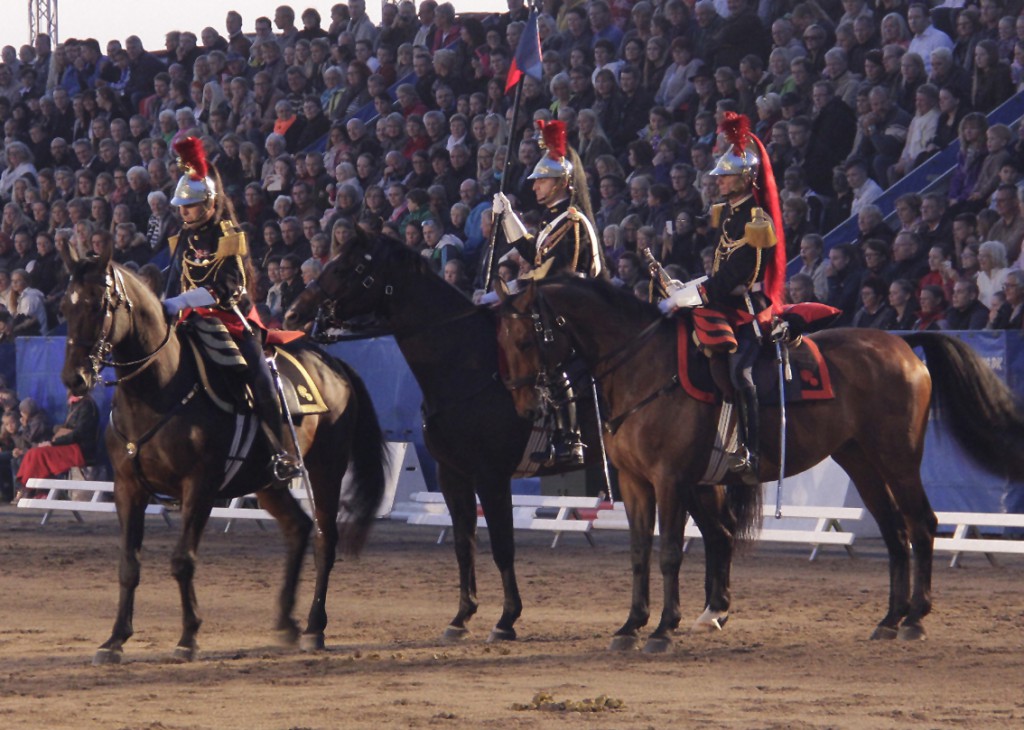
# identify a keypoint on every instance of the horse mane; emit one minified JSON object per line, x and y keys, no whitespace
{"x":617,"y":298}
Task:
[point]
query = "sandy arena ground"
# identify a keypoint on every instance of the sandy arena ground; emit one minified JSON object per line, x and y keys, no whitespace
{"x":795,"y":653}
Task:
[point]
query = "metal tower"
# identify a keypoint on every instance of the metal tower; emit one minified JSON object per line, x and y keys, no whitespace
{"x":42,"y":18}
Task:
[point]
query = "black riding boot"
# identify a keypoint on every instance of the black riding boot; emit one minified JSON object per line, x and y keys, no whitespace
{"x":748,"y":419}
{"x":566,"y":444}
{"x":283,"y":466}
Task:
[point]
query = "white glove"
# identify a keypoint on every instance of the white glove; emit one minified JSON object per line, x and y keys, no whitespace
{"x":686,"y":296}
{"x":198,"y":297}
{"x":500,"y":204}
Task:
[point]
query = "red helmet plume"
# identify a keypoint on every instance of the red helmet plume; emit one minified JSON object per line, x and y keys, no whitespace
{"x":553,"y":138}
{"x":193,"y":157}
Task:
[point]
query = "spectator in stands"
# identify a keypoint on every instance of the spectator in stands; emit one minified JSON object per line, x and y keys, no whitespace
{"x":909,"y":260}
{"x":865,"y":190}
{"x":844,"y":276}
{"x":875,"y":312}
{"x":29,"y":306}
{"x":992,"y":271}
{"x":926,"y":37}
{"x":991,"y":83}
{"x":966,"y":312}
{"x":73,"y":443}
{"x":901,"y":299}
{"x":1010,"y":315}
{"x":814,"y":265}
{"x":1010,"y":227}
{"x":800,"y":289}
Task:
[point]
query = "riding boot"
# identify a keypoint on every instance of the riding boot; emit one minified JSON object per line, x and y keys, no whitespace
{"x":748,"y":418}
{"x":283,"y":466}
{"x":566,"y":444}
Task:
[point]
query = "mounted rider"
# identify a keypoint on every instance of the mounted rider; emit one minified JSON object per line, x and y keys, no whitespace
{"x":212,"y":255}
{"x":567,"y":243}
{"x":746,"y":280}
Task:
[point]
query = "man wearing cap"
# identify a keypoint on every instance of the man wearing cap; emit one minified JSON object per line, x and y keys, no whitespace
{"x":211,"y":256}
{"x":566,"y":243}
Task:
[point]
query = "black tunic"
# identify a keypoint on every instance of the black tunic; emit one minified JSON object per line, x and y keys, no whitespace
{"x":559,"y":243}
{"x":737,"y":265}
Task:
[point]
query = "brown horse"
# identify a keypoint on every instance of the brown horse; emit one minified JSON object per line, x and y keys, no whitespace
{"x":167,"y":438}
{"x":874,"y":428}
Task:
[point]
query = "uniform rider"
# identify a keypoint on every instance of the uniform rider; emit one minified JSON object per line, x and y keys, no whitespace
{"x":745,"y":283}
{"x":568,"y":240}
{"x":212,"y":255}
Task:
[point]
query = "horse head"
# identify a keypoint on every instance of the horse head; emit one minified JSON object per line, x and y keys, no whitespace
{"x":309,"y":306}
{"x":89,"y":308}
{"x":356,"y":279}
{"x":534,"y":342}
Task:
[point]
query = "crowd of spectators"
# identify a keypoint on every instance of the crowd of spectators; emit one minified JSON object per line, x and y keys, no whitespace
{"x":326,"y":125}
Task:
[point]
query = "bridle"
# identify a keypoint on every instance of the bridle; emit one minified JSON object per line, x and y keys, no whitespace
{"x":115,"y":295}
{"x":544,"y":321}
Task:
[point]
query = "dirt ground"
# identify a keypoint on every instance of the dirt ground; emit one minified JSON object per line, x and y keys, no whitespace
{"x":795,"y":653}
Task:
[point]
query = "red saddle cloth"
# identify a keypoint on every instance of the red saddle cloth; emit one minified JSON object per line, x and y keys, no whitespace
{"x":811,"y":380}
{"x":234,"y":325}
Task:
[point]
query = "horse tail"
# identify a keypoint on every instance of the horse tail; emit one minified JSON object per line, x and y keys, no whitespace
{"x":747,"y":505}
{"x":982,"y":412}
{"x":369,"y":459}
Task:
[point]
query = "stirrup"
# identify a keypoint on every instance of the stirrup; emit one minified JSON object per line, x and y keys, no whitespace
{"x":745,"y":464}
{"x":284,"y":467}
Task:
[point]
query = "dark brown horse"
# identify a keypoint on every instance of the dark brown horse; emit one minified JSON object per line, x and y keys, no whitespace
{"x":166,"y":437}
{"x":874,"y":428}
{"x":470,"y":424}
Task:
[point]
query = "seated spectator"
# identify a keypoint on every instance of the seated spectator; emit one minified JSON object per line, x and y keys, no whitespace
{"x":1010,"y":227}
{"x":800,"y":289}
{"x":844,"y":275}
{"x":920,"y":132}
{"x":901,"y":299}
{"x":875,"y":312}
{"x":966,"y":312}
{"x":1011,"y":313}
{"x":812,"y":248}
{"x":73,"y":443}
{"x":8,"y":433}
{"x":992,"y":271}
{"x":933,"y":307}
{"x":992,"y":82}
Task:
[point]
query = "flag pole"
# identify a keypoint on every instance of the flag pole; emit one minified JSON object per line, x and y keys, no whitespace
{"x":489,"y":265}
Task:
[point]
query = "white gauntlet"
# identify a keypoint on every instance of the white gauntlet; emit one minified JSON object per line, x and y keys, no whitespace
{"x":198,"y":297}
{"x":513,"y":227}
{"x":688,"y":295}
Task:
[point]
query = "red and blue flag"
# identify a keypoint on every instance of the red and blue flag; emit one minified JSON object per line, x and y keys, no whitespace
{"x":527,"y":59}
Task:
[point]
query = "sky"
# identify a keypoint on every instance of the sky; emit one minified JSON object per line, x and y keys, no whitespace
{"x":150,"y":19}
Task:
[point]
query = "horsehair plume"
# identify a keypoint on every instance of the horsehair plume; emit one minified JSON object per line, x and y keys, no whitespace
{"x":736,"y":128}
{"x":193,"y":157}
{"x":553,"y":136}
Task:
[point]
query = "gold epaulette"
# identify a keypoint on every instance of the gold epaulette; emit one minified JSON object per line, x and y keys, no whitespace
{"x":232,"y":241}
{"x":760,"y":233}
{"x":716,"y":215}
{"x":172,"y":243}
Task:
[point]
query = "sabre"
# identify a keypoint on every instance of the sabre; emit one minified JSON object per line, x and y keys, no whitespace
{"x":279,"y":387}
{"x":782,"y":428}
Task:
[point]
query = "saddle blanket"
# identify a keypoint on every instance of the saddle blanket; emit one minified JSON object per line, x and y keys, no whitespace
{"x":810,"y":380}
{"x":212,"y":344}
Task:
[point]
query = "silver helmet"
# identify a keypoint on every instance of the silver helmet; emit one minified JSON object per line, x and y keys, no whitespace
{"x":744,"y":162}
{"x":548,"y":167}
{"x":190,"y":191}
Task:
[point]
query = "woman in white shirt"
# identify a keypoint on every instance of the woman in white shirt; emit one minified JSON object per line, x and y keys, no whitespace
{"x":992,"y":262}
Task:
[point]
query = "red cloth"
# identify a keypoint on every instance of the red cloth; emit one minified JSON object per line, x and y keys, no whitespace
{"x":234,"y":325}
{"x":41,"y":462}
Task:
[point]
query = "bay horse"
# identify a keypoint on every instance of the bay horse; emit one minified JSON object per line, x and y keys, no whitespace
{"x":874,"y":428}
{"x":470,"y":423}
{"x":166,"y":438}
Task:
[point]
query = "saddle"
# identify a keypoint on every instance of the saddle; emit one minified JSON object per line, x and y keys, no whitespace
{"x":703,"y":333}
{"x":219,"y":362}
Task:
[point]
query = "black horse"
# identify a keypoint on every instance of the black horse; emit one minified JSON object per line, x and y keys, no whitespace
{"x":166,"y":437}
{"x":470,"y":424}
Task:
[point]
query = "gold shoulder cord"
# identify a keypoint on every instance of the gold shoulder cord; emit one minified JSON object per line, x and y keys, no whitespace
{"x":231,"y":245}
{"x":727,"y":246}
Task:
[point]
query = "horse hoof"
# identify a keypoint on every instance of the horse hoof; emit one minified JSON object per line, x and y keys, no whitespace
{"x":501,"y":635}
{"x":623,"y":642}
{"x":657,"y":645}
{"x":911,"y":632}
{"x":311,"y":642}
{"x":288,"y":637}
{"x":884,"y":633}
{"x":185,"y":653}
{"x":104,"y":657}
{"x":455,"y":633}
{"x":710,"y":622}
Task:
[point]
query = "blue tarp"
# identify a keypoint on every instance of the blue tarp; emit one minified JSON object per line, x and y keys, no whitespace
{"x":953,"y":481}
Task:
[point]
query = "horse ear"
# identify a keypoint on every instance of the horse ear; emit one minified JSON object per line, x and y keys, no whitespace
{"x":67,"y":252}
{"x":540,"y":272}
{"x":501,"y":289}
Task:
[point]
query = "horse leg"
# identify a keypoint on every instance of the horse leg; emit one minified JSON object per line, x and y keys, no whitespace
{"x":132,"y":516}
{"x":908,"y":491}
{"x":717,"y":525}
{"x":640,"y":508}
{"x":672,"y":523}
{"x":496,"y":501}
{"x":461,"y":503}
{"x":183,"y":568}
{"x":879,"y":502}
{"x":295,"y":526}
